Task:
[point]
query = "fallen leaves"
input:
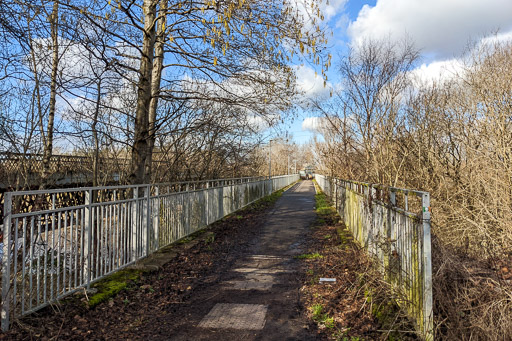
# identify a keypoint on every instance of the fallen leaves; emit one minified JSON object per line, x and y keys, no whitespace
{"x":341,"y":302}
{"x":156,"y":294}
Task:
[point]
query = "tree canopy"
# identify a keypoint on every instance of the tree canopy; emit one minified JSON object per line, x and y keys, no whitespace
{"x":125,"y":69}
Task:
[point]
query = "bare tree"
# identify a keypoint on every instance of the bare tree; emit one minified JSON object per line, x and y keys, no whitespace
{"x":219,"y":43}
{"x":374,"y":77}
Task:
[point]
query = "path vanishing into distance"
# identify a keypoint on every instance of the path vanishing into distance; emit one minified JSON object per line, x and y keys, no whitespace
{"x":239,"y":280}
{"x":258,"y":297}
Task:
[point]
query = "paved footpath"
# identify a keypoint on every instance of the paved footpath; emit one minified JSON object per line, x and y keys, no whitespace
{"x":258,"y":299}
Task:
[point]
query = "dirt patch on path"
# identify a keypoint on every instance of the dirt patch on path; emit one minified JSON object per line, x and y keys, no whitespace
{"x":242,"y":256}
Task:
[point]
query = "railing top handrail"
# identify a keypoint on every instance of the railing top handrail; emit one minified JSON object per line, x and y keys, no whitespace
{"x":380,"y":186}
{"x":91,"y":188}
{"x":203,"y":181}
{"x":282,"y":176}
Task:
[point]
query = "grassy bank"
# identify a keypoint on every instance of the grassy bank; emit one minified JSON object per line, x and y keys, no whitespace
{"x":357,"y":306}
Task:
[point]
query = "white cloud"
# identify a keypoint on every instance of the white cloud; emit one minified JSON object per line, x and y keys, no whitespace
{"x":436,"y":71}
{"x":306,"y":11}
{"x":76,"y":63}
{"x":258,"y":123}
{"x":313,"y":124}
{"x":445,"y":70}
{"x":310,"y":84}
{"x":440,"y":28}
{"x":342,"y":22}
{"x":499,"y":38}
{"x":332,"y":8}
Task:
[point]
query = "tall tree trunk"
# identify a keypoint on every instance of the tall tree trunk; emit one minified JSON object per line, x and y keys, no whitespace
{"x":155,"y":84}
{"x":140,"y":150}
{"x":48,"y":144}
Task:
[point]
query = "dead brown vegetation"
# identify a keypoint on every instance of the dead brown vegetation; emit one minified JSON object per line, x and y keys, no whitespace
{"x":453,"y":138}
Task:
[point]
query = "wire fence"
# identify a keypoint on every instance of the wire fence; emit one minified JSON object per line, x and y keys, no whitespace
{"x":71,"y":238}
{"x":393,"y":225}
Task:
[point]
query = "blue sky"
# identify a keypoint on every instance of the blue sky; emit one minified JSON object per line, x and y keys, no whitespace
{"x":440,"y":29}
{"x":347,"y":12}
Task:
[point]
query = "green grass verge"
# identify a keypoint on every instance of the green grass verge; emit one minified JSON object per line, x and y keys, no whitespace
{"x":309,"y":256}
{"x":326,"y":214}
{"x":322,"y":318}
{"x":113,"y":284}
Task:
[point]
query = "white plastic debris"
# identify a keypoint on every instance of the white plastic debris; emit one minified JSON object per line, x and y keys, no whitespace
{"x":327,"y":280}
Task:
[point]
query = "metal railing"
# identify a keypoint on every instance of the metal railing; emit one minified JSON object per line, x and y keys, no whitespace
{"x":74,"y":237}
{"x":393,"y":225}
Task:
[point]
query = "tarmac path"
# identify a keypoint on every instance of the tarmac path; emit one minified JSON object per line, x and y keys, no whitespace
{"x":258,"y":297}
{"x":239,"y":280}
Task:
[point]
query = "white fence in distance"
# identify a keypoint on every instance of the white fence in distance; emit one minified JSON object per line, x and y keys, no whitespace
{"x":70,"y":238}
{"x":393,"y":225}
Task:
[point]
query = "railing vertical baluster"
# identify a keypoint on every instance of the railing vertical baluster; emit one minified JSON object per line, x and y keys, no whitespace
{"x":134,"y":223}
{"x":23,"y":271}
{"x":146,"y":221}
{"x":206,"y":203}
{"x":124,"y":230}
{"x":101,"y":236}
{"x":31,"y":254}
{"x":6,"y":262}
{"x":45,"y":259}
{"x":88,"y":237}
{"x":156,"y":219}
{"x":389,"y":232}
{"x":392,"y":198}
{"x":115,"y":246}
{"x":112,"y":236}
{"x":105,"y":209}
{"x":65,"y":260}
{"x":38,"y":270}
{"x":82,"y":233}
{"x":428,"y":324}
{"x":15,"y":257}
{"x":71,"y":228}
{"x":96,"y":241}
{"x":336,"y":194}
{"x":52,"y":256}
{"x":58,"y":251}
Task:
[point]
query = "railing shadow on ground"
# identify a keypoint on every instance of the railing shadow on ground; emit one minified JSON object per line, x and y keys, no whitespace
{"x":61,"y":246}
{"x":393,"y":225}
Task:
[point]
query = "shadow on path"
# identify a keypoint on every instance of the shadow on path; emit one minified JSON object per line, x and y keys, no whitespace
{"x":258,"y":297}
{"x":238,"y":281}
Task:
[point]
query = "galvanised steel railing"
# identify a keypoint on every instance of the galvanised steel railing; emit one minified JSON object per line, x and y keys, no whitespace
{"x":393,"y":225}
{"x":73,"y":237}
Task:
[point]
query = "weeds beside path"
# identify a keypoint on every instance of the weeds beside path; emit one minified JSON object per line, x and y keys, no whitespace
{"x":355,"y":306}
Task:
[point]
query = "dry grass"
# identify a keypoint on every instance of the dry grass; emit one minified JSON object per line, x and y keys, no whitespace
{"x":471,"y":301}
{"x":454,"y":140}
